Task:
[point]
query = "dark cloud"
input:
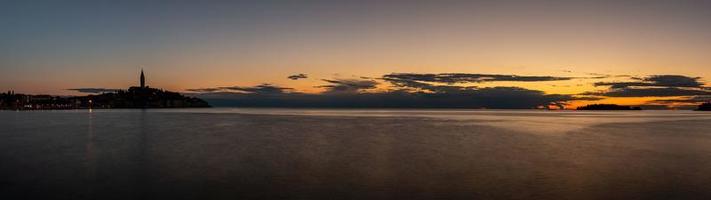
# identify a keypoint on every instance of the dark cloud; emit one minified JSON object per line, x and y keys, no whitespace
{"x":618,"y":85}
{"x":407,"y":83}
{"x":411,"y":90}
{"x":588,"y":98}
{"x":654,"y":86}
{"x":415,"y":86}
{"x":297,"y":76}
{"x":444,"y":83}
{"x":675,"y":81}
{"x":94,"y":90}
{"x":348,"y":85}
{"x":449,"y":89}
{"x":452,"y":78}
{"x":657,"y":81}
{"x":495,"y":97}
{"x":408,"y":90}
{"x":690,"y":100}
{"x":603,"y":76}
{"x":259,"y":89}
{"x":204,"y":90}
{"x":649,"y":92}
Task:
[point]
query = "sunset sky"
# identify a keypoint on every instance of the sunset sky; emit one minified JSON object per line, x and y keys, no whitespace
{"x":48,"y":47}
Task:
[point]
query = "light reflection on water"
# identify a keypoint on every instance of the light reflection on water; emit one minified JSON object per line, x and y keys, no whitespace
{"x":355,"y":154}
{"x":533,"y":121}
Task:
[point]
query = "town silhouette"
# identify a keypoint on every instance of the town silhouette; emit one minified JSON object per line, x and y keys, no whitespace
{"x":141,"y":96}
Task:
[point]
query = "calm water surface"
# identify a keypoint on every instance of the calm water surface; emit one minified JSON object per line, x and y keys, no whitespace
{"x":225,"y":153}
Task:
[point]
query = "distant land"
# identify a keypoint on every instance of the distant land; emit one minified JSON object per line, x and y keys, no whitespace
{"x":135,"y":97}
{"x":607,"y":107}
{"x":704,"y":107}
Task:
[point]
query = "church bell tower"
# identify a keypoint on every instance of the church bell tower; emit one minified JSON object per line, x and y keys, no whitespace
{"x":143,"y":80}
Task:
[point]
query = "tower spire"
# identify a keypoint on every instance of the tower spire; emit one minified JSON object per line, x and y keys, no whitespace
{"x":143,"y":79}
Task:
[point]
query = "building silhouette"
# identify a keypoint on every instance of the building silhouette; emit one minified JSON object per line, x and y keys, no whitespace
{"x":143,"y":80}
{"x":134,"y":97}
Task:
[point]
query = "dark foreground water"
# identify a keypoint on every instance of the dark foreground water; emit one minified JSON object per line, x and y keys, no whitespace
{"x":354,"y":154}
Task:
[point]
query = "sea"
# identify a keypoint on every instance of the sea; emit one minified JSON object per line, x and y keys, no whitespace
{"x":238,"y":153}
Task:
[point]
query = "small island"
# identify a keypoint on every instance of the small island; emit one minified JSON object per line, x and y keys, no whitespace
{"x":607,"y":107}
{"x":135,"y":97}
{"x":704,"y":107}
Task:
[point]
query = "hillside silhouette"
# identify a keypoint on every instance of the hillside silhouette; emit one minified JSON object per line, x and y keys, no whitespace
{"x":135,"y":97}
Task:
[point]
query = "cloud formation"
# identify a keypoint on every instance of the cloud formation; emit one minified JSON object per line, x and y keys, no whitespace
{"x":201,"y":90}
{"x":348,"y":85}
{"x":452,"y":78}
{"x":447,"y":90}
{"x":649,"y":92}
{"x":492,"y":97}
{"x":685,"y":100}
{"x":258,"y":89}
{"x":94,"y":90}
{"x":654,"y":86}
{"x":657,"y":81}
{"x":297,"y":76}
{"x":407,"y":84}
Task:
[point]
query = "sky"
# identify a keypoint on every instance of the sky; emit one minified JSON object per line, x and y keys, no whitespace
{"x":50,"y":47}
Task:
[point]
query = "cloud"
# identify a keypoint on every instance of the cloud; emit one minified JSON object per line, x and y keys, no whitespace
{"x":493,"y":97}
{"x":414,"y":84}
{"x":408,"y":90}
{"x":444,"y":83}
{"x":452,"y":78}
{"x":446,"y":90}
{"x":297,"y":76}
{"x":654,"y":86}
{"x":603,"y":76}
{"x":348,"y":85}
{"x":260,"y":89}
{"x":689,"y":100}
{"x":675,"y":80}
{"x":204,"y":90}
{"x":94,"y":90}
{"x":649,"y":92}
{"x":657,"y":81}
{"x":264,"y":88}
{"x":588,"y":98}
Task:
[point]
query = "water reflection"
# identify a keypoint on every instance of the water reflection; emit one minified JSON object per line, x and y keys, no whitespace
{"x":116,"y":158}
{"x":142,"y":172}
{"x":90,"y":156}
{"x":211,"y":155}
